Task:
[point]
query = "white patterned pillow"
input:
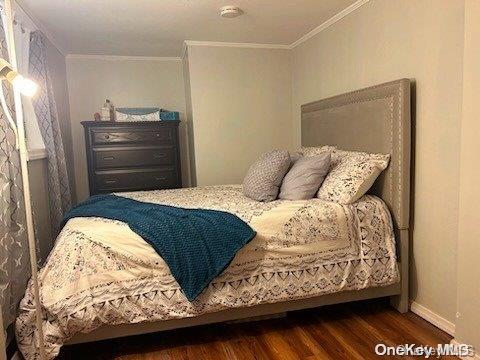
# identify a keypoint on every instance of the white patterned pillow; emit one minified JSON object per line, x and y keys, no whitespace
{"x":265,"y":176}
{"x":351,"y":175}
{"x":124,"y":117}
{"x":308,"y":151}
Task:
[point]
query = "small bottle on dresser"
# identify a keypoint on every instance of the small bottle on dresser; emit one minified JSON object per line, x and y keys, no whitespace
{"x":107,"y":112}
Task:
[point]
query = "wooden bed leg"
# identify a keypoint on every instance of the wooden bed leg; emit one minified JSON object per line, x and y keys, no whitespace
{"x":402,"y":302}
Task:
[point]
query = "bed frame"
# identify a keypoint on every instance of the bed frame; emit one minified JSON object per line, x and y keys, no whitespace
{"x":375,"y":119}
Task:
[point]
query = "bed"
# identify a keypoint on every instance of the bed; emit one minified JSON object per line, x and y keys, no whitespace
{"x":103,"y":281}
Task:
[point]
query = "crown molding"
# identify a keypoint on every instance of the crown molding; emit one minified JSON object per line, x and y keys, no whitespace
{"x":236,"y":45}
{"x":337,"y":17}
{"x":121,"y":57}
{"x":40,"y":27}
{"x":326,"y":24}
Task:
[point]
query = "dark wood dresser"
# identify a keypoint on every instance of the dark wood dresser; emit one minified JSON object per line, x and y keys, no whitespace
{"x":132,"y":156}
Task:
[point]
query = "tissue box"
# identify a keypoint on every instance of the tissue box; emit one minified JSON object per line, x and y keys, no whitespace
{"x":169,"y":115}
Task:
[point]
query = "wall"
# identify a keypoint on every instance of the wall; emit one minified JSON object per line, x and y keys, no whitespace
{"x":58,"y":72}
{"x":241,"y":107}
{"x":468,"y":291}
{"x":127,"y":82}
{"x":37,"y":170}
{"x":388,"y":40}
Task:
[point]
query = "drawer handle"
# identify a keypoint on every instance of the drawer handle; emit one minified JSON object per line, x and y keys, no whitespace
{"x":109,"y":158}
{"x":157,"y":134}
{"x":160,"y":178}
{"x":159,"y":156}
{"x":110,"y":181}
{"x":107,"y":136}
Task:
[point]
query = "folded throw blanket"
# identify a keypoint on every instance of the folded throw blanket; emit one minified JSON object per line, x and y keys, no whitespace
{"x":196,"y":244}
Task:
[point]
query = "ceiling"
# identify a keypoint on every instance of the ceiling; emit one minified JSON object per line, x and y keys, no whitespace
{"x":159,"y":27}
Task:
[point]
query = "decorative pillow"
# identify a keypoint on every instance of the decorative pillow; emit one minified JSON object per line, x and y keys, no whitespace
{"x":351,"y":175}
{"x":305,"y":177}
{"x":316,"y":150}
{"x":264,"y":177}
{"x":137,"y":114}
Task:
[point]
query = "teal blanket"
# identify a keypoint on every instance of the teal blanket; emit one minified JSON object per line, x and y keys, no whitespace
{"x":196,"y":244}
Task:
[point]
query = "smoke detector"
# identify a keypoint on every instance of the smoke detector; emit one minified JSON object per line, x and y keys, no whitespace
{"x":230,"y":11}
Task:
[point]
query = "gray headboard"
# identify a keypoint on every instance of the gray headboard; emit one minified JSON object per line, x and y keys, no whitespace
{"x":376,"y":120}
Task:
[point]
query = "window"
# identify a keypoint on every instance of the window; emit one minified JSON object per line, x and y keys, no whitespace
{"x":22,"y":27}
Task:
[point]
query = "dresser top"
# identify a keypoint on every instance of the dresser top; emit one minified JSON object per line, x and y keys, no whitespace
{"x":129,"y":123}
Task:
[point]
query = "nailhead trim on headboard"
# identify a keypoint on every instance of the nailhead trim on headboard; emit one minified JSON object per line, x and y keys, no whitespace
{"x":399,"y":121}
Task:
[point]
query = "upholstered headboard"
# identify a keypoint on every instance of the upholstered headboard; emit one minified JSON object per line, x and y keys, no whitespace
{"x":376,"y":120}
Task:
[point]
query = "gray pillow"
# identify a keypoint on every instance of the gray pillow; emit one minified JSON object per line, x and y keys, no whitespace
{"x":305,"y":177}
{"x":264,"y":177}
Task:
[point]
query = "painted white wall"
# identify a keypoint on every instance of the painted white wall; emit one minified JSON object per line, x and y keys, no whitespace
{"x":37,"y":170}
{"x":128,"y":83}
{"x":241,"y":107}
{"x":388,"y":40}
{"x":468,"y":273}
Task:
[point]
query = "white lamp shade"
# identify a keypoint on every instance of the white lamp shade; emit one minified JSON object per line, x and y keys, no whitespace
{"x":25,"y":86}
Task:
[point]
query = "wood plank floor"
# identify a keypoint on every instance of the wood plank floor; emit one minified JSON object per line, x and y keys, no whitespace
{"x":348,"y":331}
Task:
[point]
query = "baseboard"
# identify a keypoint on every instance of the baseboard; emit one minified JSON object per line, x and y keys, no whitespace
{"x":474,"y":357}
{"x":433,"y":318}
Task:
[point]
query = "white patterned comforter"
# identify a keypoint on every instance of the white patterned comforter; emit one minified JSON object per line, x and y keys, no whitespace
{"x":100,"y":272}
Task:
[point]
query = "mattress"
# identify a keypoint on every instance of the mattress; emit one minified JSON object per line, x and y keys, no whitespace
{"x":100,"y":272}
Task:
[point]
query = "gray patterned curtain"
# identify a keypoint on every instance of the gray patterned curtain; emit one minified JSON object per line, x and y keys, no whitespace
{"x":14,"y":257}
{"x":47,"y":115}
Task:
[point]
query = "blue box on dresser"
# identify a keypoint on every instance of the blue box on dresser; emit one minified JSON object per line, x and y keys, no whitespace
{"x":170,"y":115}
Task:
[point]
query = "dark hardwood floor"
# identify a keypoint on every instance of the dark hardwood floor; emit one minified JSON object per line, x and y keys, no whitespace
{"x":348,"y":331}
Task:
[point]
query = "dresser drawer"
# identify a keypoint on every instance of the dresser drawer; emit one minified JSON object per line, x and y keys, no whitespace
{"x":137,"y":157}
{"x":133,"y":136}
{"x":118,"y":180}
